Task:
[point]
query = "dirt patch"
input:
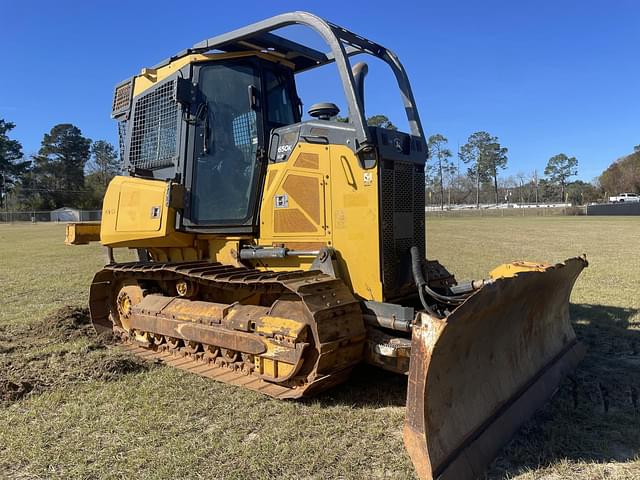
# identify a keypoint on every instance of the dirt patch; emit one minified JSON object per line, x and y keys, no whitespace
{"x":12,"y":391}
{"x":16,"y":381}
{"x":60,"y":350}
{"x":25,"y":375}
{"x":113,"y":367}
{"x":66,"y":323}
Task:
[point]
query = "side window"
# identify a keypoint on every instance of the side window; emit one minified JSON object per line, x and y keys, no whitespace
{"x":245,"y":136}
{"x":280,"y":105}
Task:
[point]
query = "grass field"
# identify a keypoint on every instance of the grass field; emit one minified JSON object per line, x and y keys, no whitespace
{"x":73,"y":407}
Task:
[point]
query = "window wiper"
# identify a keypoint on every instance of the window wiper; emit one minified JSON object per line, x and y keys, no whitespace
{"x":202,"y":114}
{"x":205,"y":139}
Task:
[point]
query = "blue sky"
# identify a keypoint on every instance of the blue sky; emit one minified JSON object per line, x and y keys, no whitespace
{"x":544,"y":76}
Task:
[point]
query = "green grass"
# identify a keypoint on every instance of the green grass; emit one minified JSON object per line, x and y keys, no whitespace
{"x":93,"y":413}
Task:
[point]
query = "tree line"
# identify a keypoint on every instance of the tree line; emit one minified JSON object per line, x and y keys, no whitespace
{"x":72,"y":170}
{"x":623,"y":175}
{"x":475,"y":177}
{"x":69,"y":170}
{"x":479,"y":181}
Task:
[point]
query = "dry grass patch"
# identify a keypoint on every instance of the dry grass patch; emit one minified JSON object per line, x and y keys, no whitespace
{"x":91,"y":412}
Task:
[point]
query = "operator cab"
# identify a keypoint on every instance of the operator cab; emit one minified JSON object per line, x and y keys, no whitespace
{"x":239,"y":103}
{"x":214,"y":116}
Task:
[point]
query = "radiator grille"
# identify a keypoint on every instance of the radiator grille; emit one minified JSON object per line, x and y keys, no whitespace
{"x":403,"y":187}
{"x":154,"y":131}
{"x":402,"y":218}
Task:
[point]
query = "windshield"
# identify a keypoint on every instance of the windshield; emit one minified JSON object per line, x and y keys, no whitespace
{"x":226,"y":167}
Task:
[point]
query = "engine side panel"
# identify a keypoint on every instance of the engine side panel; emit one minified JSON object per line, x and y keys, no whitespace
{"x":136,"y":213}
{"x":321,"y":196}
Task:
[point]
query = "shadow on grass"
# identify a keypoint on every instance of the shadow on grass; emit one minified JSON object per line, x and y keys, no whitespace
{"x":368,"y":387}
{"x":594,"y":416}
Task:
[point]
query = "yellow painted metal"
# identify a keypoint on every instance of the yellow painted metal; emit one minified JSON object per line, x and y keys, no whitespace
{"x":135,"y":214}
{"x":288,"y":327}
{"x":305,"y":216}
{"x":150,"y":76}
{"x":355,"y":220}
{"x":298,"y":222}
{"x":267,"y":365}
{"x":348,"y":221}
{"x":224,"y":250}
{"x":174,"y":254}
{"x":507,"y":270}
{"x":82,"y":233}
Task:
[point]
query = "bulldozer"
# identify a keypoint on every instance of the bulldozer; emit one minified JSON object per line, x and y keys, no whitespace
{"x":276,"y":253}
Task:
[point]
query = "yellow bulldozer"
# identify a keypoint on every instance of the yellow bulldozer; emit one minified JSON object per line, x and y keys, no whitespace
{"x":276,"y":253}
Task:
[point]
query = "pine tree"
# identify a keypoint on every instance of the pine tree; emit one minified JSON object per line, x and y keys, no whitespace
{"x":12,"y":165}
{"x":59,"y":166}
{"x":485,"y":157}
{"x":559,"y":169}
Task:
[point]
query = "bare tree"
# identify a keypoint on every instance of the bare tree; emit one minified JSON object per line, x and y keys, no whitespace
{"x":521,"y":181}
{"x":443,"y":167}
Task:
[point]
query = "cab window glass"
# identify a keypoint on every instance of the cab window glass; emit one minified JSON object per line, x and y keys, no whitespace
{"x":280,"y":105}
{"x":226,"y":168}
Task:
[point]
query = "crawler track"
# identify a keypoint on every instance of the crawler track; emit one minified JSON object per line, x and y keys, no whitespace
{"x":223,"y":374}
{"x":324,"y":303}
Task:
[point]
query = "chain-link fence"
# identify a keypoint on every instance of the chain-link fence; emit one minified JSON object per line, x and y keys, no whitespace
{"x":61,"y":215}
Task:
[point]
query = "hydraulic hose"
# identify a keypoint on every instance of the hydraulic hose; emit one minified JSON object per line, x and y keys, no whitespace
{"x":416,"y":266}
{"x":449,"y":299}
{"x":418,"y":278}
{"x":421,"y":283}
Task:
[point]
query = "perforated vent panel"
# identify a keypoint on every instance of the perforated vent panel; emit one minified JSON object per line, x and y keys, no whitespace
{"x":403,"y":187}
{"x":402,"y":219}
{"x":121,"y":99}
{"x":122,"y":137}
{"x":154,"y":132}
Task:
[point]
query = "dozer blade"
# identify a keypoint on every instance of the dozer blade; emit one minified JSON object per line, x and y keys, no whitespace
{"x":477,"y":375}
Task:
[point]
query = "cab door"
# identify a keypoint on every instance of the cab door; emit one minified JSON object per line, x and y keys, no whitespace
{"x":226,"y":163}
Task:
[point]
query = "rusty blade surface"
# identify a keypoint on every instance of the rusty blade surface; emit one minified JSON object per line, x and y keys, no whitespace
{"x":477,"y":375}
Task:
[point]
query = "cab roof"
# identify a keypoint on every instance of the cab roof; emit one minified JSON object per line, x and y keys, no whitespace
{"x":258,"y":37}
